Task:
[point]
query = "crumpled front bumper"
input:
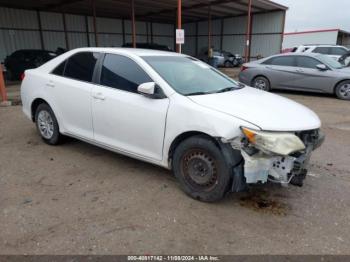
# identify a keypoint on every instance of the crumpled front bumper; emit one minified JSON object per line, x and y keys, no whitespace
{"x":259,"y":167}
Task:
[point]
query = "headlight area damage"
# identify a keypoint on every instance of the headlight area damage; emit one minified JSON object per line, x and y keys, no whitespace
{"x":280,"y":157}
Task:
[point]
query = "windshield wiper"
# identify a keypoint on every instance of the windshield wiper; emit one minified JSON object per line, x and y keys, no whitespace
{"x":197,"y":93}
{"x":227,"y":89}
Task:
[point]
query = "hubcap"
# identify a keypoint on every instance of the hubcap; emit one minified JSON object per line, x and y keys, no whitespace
{"x":260,"y":84}
{"x":344,"y":90}
{"x":199,"y":169}
{"x":45,"y":124}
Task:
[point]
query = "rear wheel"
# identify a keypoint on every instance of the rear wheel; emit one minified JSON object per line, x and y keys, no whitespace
{"x":201,"y":169}
{"x":10,"y":75}
{"x":261,"y":83}
{"x":47,"y":125}
{"x":342,"y":90}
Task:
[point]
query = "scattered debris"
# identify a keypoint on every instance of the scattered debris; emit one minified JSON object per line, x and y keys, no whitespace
{"x":27,"y":201}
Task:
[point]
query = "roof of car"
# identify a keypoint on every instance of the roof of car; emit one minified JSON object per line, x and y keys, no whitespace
{"x":297,"y":54}
{"x":320,"y":45}
{"x":133,"y":51}
{"x":33,"y":51}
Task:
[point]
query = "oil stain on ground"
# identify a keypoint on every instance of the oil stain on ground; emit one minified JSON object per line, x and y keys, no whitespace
{"x":260,"y":201}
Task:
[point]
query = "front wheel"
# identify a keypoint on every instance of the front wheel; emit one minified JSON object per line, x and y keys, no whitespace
{"x":228,"y":64}
{"x":342,"y":90}
{"x":201,"y":169}
{"x":261,"y":83}
{"x":47,"y":125}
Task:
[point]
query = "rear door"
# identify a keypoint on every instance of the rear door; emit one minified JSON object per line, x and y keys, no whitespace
{"x":70,"y":87}
{"x":309,"y":78}
{"x":281,"y":71}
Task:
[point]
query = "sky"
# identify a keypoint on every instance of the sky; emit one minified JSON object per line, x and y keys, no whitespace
{"x":316,"y":14}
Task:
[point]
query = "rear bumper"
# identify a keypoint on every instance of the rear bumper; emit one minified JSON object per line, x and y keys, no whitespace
{"x":243,"y":79}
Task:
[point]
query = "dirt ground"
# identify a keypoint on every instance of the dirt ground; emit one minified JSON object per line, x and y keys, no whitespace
{"x":80,"y":199}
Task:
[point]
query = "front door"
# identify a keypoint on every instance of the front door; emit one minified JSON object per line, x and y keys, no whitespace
{"x":280,"y":71}
{"x":310,"y":78}
{"x":124,"y":119}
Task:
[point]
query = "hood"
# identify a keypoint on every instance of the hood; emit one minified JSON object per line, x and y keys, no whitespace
{"x":268,"y":111}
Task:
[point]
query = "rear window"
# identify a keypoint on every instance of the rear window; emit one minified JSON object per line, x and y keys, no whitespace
{"x":81,"y":66}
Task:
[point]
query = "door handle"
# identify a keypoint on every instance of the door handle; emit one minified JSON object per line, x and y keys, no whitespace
{"x":99,"y":96}
{"x":50,"y":84}
{"x":300,"y":70}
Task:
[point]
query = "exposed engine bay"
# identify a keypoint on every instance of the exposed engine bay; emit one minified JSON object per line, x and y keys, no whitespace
{"x":288,"y":165}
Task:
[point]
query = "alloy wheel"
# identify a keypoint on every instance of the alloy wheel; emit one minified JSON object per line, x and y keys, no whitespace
{"x":45,"y":124}
{"x":344,"y":91}
{"x":260,"y":84}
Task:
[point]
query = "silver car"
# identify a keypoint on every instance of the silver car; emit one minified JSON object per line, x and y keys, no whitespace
{"x":220,"y":58}
{"x":293,"y":71}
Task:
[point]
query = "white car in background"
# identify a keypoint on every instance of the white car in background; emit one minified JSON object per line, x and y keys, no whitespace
{"x":174,"y":111}
{"x":333,"y":51}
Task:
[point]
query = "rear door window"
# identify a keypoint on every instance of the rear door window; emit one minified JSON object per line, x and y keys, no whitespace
{"x":307,"y":62}
{"x":322,"y":50}
{"x":81,"y":66}
{"x":122,"y":73}
{"x":59,"y":70}
{"x":281,"y":61}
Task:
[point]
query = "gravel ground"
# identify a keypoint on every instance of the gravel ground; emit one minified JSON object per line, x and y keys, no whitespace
{"x":79,"y":199}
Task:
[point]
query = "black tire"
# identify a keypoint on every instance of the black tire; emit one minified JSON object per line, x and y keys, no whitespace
{"x":262,"y":83}
{"x":56,"y":137}
{"x":342,"y":90}
{"x":201,"y":169}
{"x":10,"y":75}
{"x":228,"y":64}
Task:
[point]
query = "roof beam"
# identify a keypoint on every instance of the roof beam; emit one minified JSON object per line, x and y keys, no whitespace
{"x":199,"y":5}
{"x":60,"y":4}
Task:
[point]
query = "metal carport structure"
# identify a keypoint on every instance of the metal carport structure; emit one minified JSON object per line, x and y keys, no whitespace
{"x":160,"y":11}
{"x":249,"y":27}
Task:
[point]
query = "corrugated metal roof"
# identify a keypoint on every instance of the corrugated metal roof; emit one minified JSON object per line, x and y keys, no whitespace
{"x":149,"y":10}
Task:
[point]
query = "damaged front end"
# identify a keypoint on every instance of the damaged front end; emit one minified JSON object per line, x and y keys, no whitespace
{"x":279,"y":157}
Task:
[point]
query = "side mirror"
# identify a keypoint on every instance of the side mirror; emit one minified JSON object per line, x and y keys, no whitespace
{"x":322,"y":67}
{"x":147,"y":89}
{"x":151,"y":90}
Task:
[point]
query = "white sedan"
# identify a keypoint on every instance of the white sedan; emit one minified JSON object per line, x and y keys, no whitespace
{"x":175,"y":111}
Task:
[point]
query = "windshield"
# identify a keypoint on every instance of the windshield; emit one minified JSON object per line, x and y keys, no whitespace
{"x":330,"y":61}
{"x":189,"y":76}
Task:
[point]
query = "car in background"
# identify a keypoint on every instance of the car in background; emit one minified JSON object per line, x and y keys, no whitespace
{"x":311,"y":72}
{"x":217,"y":55}
{"x":232,"y":60}
{"x":333,"y":51}
{"x":24,"y":59}
{"x":174,"y":111}
{"x":345,"y":59}
{"x":152,"y":46}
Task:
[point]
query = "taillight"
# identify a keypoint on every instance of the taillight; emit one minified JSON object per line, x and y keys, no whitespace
{"x":22,"y":76}
{"x":243,"y":68}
